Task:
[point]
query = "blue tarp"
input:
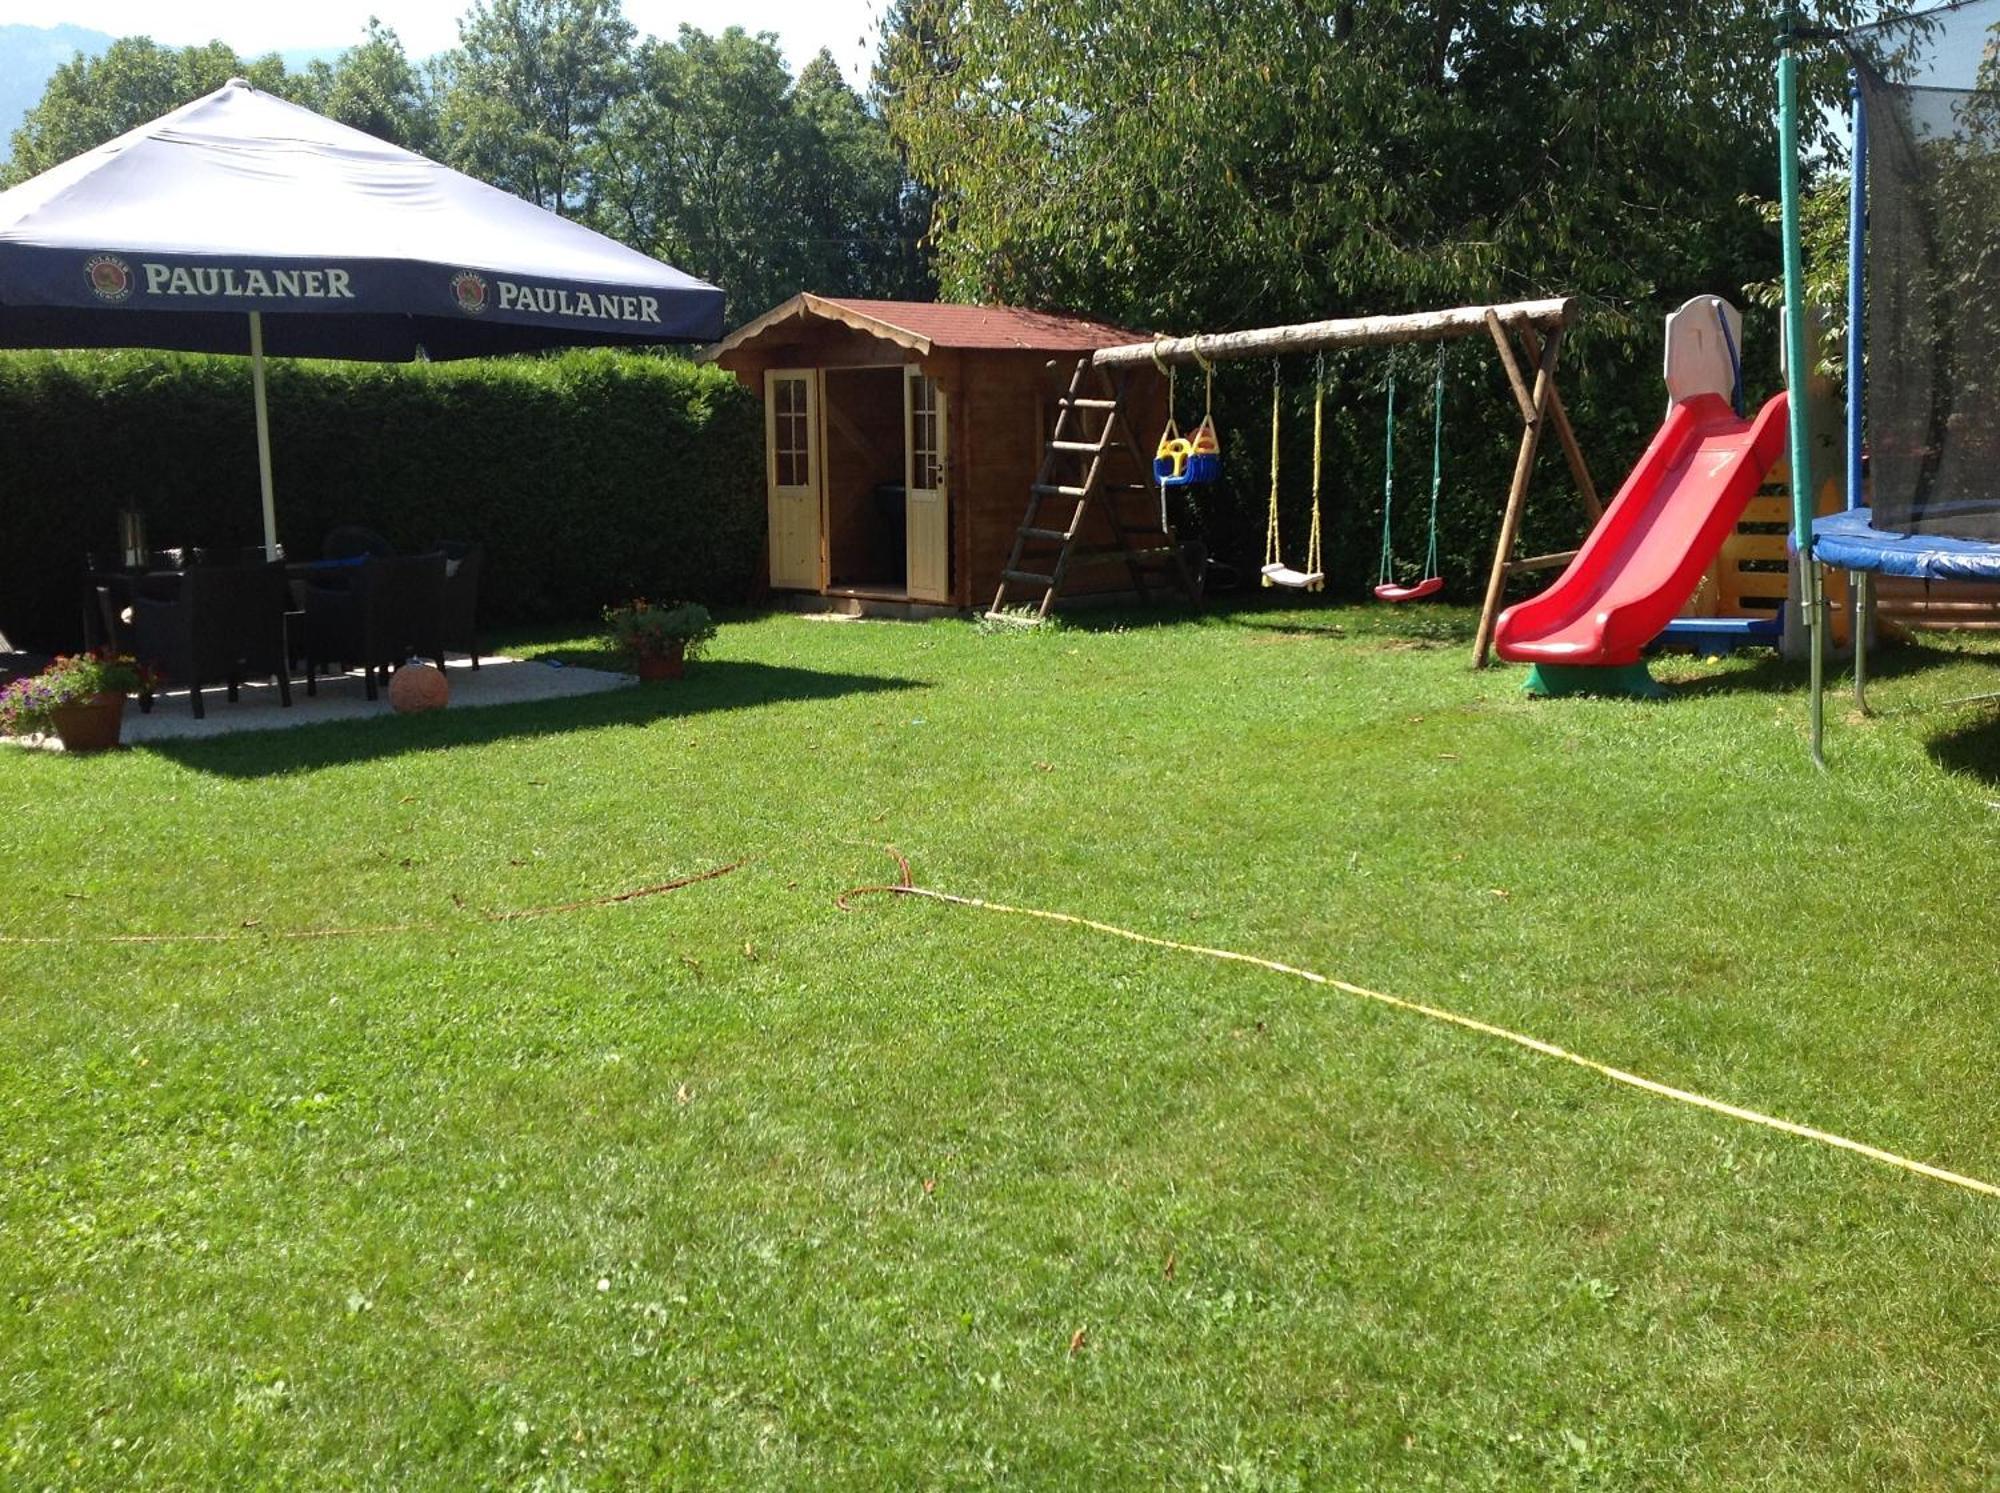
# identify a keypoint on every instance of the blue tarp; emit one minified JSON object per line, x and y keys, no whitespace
{"x":1849,"y":541}
{"x":350,"y":247}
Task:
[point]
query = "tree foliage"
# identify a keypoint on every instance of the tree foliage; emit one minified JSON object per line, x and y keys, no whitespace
{"x":374,"y":87}
{"x":1228,"y":165}
{"x":720,"y":162}
{"x":524,"y":93}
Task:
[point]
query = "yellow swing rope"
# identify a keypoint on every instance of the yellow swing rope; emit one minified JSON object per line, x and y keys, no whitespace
{"x":1273,"y":546}
{"x":1313,"y":566}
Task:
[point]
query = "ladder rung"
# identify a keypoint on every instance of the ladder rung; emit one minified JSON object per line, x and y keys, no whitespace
{"x":1028,"y":577}
{"x":1028,"y":533}
{"x":1057,"y":490}
{"x":1077,"y":403}
{"x":1093,"y":447}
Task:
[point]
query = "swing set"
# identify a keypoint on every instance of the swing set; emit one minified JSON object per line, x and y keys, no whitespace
{"x":1313,"y":578}
{"x":1528,"y":337}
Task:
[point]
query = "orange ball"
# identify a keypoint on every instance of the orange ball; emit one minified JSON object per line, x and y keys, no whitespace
{"x":416,"y":687}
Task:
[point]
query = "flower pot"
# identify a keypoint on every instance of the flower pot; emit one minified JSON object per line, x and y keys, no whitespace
{"x":669,"y":663}
{"x":91,"y":725}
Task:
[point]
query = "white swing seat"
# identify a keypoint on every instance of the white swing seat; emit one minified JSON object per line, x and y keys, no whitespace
{"x":1297,"y":580}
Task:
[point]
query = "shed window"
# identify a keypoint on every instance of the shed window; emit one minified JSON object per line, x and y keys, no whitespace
{"x":926,"y":453}
{"x":792,"y":440}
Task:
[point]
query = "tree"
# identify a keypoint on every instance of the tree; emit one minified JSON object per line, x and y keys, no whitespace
{"x":90,"y":100}
{"x":870,"y":216}
{"x":526,"y":90}
{"x":717,"y":161}
{"x":1267,"y":160}
{"x":374,"y":87}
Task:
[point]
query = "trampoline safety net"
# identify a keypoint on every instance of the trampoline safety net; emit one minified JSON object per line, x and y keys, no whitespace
{"x":1931,"y":90}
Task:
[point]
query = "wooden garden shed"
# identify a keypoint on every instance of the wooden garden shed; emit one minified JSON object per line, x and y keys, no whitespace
{"x":902,"y":438}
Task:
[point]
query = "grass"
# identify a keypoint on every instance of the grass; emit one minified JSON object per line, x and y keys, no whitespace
{"x":731,"y":1187}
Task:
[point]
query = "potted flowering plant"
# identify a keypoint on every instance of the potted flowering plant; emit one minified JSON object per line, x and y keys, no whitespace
{"x":659,"y":638}
{"x":81,"y":697}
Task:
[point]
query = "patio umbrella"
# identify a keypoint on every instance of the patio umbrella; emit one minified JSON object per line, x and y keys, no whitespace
{"x":240,"y":223}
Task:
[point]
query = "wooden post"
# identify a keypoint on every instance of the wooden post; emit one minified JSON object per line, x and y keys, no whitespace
{"x":1579,"y":469}
{"x":1515,"y":381}
{"x":1517,"y":494}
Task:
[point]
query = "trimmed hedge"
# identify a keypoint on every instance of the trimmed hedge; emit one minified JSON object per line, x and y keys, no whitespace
{"x":590,"y":477}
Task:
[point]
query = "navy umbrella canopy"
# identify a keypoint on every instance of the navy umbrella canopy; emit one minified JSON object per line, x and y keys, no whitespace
{"x":240,"y":223}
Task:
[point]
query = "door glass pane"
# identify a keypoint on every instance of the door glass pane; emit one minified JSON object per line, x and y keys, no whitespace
{"x":791,"y":433}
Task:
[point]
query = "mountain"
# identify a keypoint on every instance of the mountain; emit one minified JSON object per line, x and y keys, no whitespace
{"x":29,"y":57}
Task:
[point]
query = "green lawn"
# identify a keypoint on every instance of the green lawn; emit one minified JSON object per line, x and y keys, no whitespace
{"x":729,"y":1187}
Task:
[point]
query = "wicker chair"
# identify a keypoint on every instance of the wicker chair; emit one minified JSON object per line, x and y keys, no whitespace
{"x":374,"y":615}
{"x":212,"y":624}
{"x":462,"y":564}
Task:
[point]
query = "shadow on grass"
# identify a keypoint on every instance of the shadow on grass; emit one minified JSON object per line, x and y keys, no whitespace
{"x":1973,"y":749}
{"x":1292,"y":612}
{"x":1771,"y":674}
{"x":709,"y":686}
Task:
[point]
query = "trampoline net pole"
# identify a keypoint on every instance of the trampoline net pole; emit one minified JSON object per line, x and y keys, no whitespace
{"x":1796,"y":371}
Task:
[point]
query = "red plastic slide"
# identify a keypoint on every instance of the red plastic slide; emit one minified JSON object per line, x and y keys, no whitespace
{"x":1646,"y":556}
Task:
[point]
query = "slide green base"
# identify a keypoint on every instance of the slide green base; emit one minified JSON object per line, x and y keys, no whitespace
{"x":1559,"y":681}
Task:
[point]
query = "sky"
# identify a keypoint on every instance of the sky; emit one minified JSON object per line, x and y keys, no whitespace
{"x":254,"y":27}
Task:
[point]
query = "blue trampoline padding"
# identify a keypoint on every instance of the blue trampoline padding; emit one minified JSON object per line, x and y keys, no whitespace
{"x":1849,"y":542}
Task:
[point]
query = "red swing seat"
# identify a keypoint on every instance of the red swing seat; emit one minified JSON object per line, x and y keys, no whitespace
{"x":1430,"y":585}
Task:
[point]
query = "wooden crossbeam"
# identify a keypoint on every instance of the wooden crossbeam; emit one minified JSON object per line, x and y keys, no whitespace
{"x":1352,"y":331}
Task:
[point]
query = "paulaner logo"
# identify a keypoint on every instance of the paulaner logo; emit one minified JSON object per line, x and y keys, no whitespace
{"x":468,"y":288}
{"x":110,"y":277}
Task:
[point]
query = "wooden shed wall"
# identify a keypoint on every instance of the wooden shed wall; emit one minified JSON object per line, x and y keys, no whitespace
{"x":1010,"y":408}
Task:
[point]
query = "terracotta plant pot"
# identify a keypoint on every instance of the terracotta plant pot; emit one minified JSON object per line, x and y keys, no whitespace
{"x":670,"y":664}
{"x":92,"y":725}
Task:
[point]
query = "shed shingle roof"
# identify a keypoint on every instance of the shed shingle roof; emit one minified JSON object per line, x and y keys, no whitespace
{"x":927,"y":325}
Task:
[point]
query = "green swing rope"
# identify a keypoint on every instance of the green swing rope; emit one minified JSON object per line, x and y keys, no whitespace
{"x":1437,"y":464}
{"x":1386,"y":571}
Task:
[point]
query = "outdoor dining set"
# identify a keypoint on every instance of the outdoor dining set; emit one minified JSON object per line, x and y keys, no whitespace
{"x":198,"y":618}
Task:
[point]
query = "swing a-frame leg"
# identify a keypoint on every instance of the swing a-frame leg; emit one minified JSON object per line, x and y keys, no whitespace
{"x":1092,"y":435}
{"x":1540,"y":406}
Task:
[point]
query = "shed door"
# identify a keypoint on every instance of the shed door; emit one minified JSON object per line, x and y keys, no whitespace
{"x":928,"y":547}
{"x":791,"y":455}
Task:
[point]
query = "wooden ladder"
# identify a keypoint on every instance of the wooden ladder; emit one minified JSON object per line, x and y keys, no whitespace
{"x":1072,"y":445}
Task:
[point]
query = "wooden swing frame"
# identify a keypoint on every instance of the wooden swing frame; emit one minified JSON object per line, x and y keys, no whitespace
{"x":1525,"y":334}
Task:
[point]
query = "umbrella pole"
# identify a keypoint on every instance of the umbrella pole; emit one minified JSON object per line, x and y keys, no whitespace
{"x":263,"y":434}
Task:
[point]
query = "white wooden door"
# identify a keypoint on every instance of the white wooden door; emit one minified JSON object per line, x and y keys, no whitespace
{"x":928,"y":546}
{"x":792,"y":476}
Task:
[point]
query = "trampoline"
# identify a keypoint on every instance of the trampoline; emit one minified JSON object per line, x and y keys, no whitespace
{"x":1924,"y":210}
{"x":1850,"y":541}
